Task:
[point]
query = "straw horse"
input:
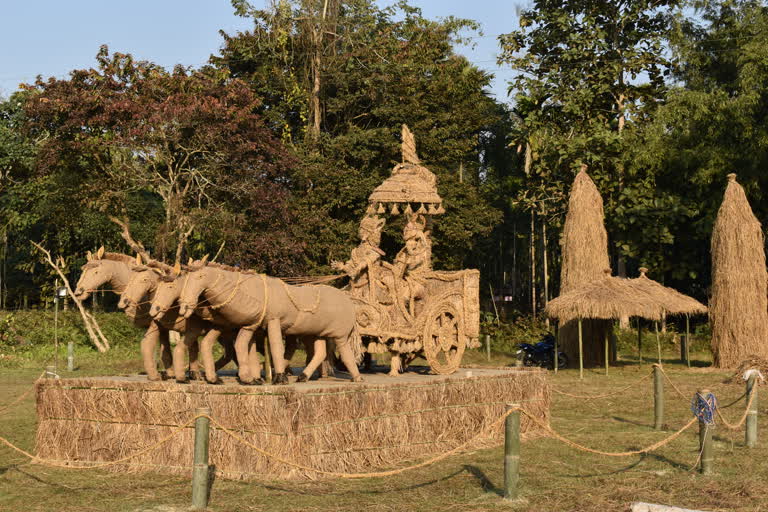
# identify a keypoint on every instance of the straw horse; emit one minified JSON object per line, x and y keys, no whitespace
{"x":141,"y":290}
{"x":115,"y":269}
{"x":253,"y":300}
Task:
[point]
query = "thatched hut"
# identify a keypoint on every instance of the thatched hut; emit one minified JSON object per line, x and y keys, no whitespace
{"x":672,"y":301}
{"x":585,"y":256}
{"x":738,"y":309}
{"x":606,"y":299}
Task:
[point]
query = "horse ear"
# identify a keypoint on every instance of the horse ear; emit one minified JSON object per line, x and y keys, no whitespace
{"x":138,"y":258}
{"x":177,"y":268}
{"x":204,"y":261}
{"x":88,"y":256}
{"x":100,"y":253}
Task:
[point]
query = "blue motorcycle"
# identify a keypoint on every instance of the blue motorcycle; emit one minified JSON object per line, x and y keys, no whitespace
{"x":541,"y":354}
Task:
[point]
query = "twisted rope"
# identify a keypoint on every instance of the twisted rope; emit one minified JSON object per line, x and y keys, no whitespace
{"x":593,"y":397}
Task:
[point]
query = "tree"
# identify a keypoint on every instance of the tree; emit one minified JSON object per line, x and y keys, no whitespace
{"x":187,"y":143}
{"x":380,"y":68}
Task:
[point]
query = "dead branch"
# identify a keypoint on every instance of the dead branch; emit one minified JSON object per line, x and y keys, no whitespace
{"x":182,"y":241}
{"x":137,"y":247}
{"x":94,"y":332}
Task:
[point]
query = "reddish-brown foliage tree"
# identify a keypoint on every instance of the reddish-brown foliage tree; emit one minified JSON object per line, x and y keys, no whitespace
{"x":191,"y":140}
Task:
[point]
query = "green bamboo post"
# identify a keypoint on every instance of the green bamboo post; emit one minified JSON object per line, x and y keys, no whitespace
{"x":581,"y":354}
{"x":267,"y":361}
{"x":639,"y":341}
{"x":658,"y":341}
{"x":688,"y":340}
{"x":751,"y":429}
{"x":606,"y":353}
{"x":705,"y":443}
{"x":200,"y":468}
{"x":511,"y":452}
{"x":658,"y":397}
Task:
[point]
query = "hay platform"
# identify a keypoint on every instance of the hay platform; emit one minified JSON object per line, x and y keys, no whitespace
{"x":330,"y":424}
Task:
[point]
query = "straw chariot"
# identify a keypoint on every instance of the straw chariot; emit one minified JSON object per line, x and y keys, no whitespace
{"x":406,"y":308}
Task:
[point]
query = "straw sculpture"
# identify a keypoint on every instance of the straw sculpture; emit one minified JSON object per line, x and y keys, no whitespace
{"x":738,"y":308}
{"x":585,"y":256}
{"x":670,"y":300}
{"x":334,"y":428}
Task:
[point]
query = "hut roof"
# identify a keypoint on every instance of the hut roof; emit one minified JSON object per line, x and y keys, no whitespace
{"x":672,"y":301}
{"x":607,"y":298}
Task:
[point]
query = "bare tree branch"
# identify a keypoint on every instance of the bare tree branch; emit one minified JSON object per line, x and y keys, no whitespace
{"x":133,"y":244}
{"x":94,"y":332}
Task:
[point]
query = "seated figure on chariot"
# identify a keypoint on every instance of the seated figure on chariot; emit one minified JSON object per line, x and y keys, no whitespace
{"x":406,"y":281}
{"x":364,"y":260}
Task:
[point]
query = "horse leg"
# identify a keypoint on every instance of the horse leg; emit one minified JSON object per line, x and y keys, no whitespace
{"x":228,"y":343}
{"x":179,"y":359}
{"x":395,"y":365}
{"x":191,"y":340}
{"x":329,"y":367}
{"x":253,"y":357}
{"x":166,"y":353}
{"x":277,"y":351}
{"x":242,"y":344}
{"x":148,"y":343}
{"x":348,"y":357}
{"x":206,"y":349}
{"x":318,"y":356}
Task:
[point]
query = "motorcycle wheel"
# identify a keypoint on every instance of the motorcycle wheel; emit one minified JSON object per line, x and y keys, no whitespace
{"x":528,"y":360}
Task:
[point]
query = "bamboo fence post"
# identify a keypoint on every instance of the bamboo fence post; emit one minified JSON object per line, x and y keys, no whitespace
{"x":658,"y":398}
{"x":658,"y":341}
{"x":688,"y":340}
{"x":511,"y":452}
{"x":581,"y":354}
{"x":488,"y":346}
{"x":750,"y":433}
{"x":50,"y":372}
{"x":606,"y":352}
{"x":705,"y":441}
{"x":71,"y":356}
{"x":200,"y":468}
{"x":556,"y":364}
{"x":639,"y":341}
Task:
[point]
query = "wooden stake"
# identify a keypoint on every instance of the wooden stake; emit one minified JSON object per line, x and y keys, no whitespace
{"x":658,"y":398}
{"x":750,"y":433}
{"x":511,"y":453}
{"x":581,"y":354}
{"x":200,"y":468}
{"x":688,"y":340}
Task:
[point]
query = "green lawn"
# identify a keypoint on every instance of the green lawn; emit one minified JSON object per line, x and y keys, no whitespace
{"x":554,"y":476}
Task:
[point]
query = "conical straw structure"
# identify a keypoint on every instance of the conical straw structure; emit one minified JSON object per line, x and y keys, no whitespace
{"x":738,"y":309}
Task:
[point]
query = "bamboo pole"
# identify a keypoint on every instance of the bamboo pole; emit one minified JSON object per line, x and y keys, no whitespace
{"x":71,"y":356}
{"x":688,"y":340}
{"x":658,"y":341}
{"x":200,"y":468}
{"x":639,"y":341}
{"x":556,"y":363}
{"x":581,"y":354}
{"x":606,"y":352}
{"x":705,"y":441}
{"x":511,"y":453}
{"x":658,"y":398}
{"x":267,"y":362}
{"x":750,"y":433}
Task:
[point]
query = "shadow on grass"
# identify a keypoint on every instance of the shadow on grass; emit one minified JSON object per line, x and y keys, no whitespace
{"x":484,"y":481}
{"x":624,"y":469}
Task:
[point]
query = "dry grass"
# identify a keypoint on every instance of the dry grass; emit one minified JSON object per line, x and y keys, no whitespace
{"x":553,"y":476}
{"x":585,"y":258}
{"x":671,"y":301}
{"x":350,"y":429}
{"x":738,"y":308}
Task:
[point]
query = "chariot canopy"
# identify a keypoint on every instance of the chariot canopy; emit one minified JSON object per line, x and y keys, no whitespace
{"x":412,"y":188}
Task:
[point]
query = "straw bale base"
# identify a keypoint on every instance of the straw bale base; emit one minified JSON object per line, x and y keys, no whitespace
{"x":332,"y":424}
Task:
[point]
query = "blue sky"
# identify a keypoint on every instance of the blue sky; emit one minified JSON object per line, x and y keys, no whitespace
{"x":52,"y":37}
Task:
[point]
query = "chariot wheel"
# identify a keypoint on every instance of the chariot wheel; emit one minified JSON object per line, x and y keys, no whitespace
{"x":444,"y":341}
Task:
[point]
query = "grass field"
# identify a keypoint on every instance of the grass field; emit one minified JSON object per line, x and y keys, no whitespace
{"x":554,"y":477}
